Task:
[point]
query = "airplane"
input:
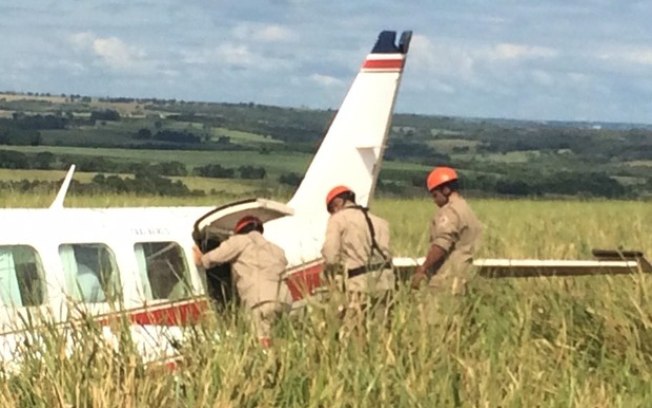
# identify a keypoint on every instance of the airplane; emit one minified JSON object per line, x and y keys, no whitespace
{"x":59,"y":265}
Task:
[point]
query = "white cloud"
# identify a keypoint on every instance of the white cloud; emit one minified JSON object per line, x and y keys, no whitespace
{"x":509,"y":51}
{"x":463,"y":60}
{"x":440,"y":58}
{"x":235,"y":54}
{"x":634,"y":55}
{"x":441,"y":87}
{"x":579,"y":77}
{"x":273,"y":33}
{"x":450,"y":65}
{"x":262,"y":32}
{"x":482,"y":60}
{"x":326,"y":80}
{"x":112,"y":51}
{"x":82,"y":41}
{"x":116,"y":53}
{"x":542,"y":77}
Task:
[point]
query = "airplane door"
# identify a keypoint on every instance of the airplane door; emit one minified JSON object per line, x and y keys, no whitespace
{"x":219,"y":281}
{"x":217,"y":225}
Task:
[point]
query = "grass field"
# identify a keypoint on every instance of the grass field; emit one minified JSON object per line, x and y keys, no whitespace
{"x":546,"y":342}
{"x":275,"y":163}
{"x":447,"y":145}
{"x":212,"y":186}
{"x":639,"y":163}
{"x":245,"y":138}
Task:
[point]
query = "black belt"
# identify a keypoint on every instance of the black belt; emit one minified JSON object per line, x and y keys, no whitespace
{"x":366,"y":268}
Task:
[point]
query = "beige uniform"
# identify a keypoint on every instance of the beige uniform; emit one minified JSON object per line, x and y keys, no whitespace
{"x":455,"y":229}
{"x":257,"y":266}
{"x":348,"y":243}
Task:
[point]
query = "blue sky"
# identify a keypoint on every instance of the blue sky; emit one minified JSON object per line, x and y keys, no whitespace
{"x":549,"y":60}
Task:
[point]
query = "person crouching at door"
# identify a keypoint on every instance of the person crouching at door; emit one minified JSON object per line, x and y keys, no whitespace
{"x":257,"y":266}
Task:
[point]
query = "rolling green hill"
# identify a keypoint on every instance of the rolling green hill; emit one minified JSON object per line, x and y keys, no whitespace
{"x":495,"y":157}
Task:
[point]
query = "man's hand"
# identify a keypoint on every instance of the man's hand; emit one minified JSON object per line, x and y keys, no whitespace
{"x":418,"y":277}
{"x":196,"y":255}
{"x":435,"y":255}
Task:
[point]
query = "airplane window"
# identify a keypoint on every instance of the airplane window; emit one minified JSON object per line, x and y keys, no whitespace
{"x":90,"y":271}
{"x":22,"y":282}
{"x":163,"y":270}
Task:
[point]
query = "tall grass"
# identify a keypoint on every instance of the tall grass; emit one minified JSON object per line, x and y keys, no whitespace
{"x":549,"y":342}
{"x":531,"y":228}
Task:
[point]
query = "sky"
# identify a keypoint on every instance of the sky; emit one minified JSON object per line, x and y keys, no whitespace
{"x":586,"y":60}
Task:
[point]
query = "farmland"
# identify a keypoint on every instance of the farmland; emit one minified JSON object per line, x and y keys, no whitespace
{"x":274,"y":146}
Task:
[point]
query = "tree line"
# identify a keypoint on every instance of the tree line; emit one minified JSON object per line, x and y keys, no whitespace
{"x":560,"y":183}
{"x":141,"y":183}
{"x":11,"y":159}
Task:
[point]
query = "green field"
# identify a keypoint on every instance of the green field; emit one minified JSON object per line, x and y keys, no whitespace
{"x":558,"y":342}
{"x":564,"y":229}
{"x":507,"y":158}
{"x":234,"y":186}
{"x":447,"y":145}
{"x":640,"y":163}
{"x":244,"y":138}
{"x":46,"y":175}
{"x":275,"y":164}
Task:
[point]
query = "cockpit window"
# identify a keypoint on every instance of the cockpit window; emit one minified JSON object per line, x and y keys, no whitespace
{"x":91,"y":273}
{"x":163,"y":270}
{"x":22,"y":282}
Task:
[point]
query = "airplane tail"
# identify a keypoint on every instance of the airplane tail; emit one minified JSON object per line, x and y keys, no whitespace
{"x":352,"y":150}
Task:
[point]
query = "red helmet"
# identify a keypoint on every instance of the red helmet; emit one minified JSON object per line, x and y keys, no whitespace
{"x":244,"y":221}
{"x":439,"y":176}
{"x":335,"y":191}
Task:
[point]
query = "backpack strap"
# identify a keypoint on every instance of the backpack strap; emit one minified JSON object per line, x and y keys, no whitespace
{"x":372,"y":232}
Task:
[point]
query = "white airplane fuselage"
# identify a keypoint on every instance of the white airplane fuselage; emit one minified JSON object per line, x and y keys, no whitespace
{"x":120,"y":230}
{"x":138,"y":262}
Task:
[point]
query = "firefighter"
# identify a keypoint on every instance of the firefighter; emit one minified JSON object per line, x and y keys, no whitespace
{"x":356,"y":248}
{"x":257,"y":267}
{"x":454,"y":236}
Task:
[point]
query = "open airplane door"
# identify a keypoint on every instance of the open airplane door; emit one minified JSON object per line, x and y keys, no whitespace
{"x":214,"y":227}
{"x":222,"y":220}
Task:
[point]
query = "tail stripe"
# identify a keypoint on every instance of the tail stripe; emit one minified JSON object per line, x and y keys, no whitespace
{"x":384,"y":64}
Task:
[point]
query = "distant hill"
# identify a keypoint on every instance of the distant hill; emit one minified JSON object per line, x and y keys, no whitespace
{"x":495,"y":156}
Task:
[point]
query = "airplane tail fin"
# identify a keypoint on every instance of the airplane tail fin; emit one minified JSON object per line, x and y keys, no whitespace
{"x":352,"y":150}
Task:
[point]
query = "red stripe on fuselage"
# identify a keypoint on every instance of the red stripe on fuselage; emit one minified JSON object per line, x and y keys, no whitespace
{"x":171,"y":364}
{"x":174,"y":315}
{"x":304,"y":280}
{"x":384,"y":64}
{"x":179,"y":313}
